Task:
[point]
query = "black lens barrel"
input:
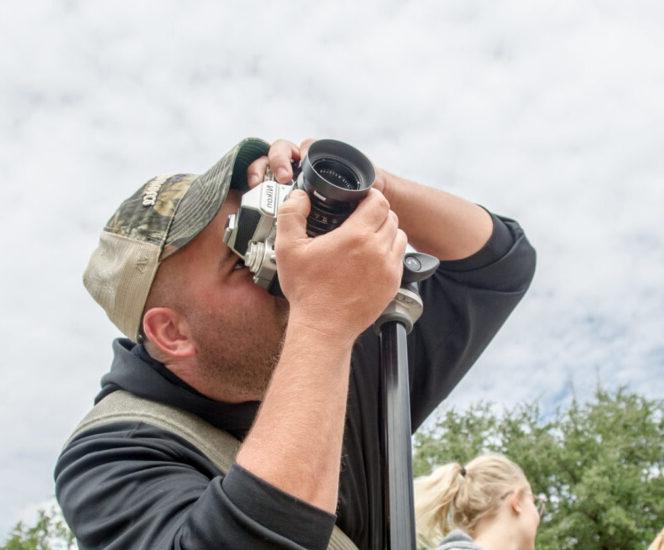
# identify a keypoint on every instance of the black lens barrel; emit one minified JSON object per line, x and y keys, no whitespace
{"x":336,"y":177}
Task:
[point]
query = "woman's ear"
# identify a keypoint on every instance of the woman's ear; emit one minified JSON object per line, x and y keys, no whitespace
{"x":516,"y":500}
{"x":169,"y":332}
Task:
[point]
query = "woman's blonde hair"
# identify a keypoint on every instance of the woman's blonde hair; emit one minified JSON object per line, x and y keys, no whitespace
{"x":658,"y":543}
{"x":456,"y":496}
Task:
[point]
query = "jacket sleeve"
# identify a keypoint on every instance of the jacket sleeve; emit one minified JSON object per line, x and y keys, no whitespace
{"x":465,"y":304}
{"x":135,"y":486}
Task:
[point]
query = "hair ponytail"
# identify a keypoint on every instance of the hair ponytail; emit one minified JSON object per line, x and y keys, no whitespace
{"x":456,"y":496}
{"x":434,"y":495}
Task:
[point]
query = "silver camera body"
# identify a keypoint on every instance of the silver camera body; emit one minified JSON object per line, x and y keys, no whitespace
{"x":252,"y":230}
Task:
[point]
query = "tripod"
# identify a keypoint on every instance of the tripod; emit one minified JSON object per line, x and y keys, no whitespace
{"x":394,"y":325}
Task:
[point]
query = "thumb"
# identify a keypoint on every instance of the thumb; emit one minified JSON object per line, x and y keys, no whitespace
{"x":292,"y":216}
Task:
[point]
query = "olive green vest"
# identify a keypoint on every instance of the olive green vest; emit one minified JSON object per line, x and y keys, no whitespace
{"x":218,"y":446}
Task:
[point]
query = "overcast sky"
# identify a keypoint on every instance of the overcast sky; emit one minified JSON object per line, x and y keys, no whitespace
{"x":550,"y":112}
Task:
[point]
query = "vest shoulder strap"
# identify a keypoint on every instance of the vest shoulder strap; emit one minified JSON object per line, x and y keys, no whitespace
{"x":220,"y":447}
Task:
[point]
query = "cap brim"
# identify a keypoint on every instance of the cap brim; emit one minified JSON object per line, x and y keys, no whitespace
{"x":208,"y":192}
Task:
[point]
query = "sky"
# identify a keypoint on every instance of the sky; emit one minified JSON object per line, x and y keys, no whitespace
{"x":550,"y":112}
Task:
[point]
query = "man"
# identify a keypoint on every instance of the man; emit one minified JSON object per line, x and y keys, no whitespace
{"x":296,"y":381}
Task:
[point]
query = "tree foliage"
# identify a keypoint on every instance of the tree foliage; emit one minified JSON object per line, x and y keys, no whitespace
{"x":49,"y":532}
{"x":600,"y":464}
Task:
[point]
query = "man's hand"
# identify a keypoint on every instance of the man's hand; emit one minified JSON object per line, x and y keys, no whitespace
{"x":339,"y":283}
{"x":279,"y":158}
{"x":342,"y":281}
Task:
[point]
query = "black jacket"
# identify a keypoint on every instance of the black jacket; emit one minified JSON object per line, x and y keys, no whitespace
{"x":130,"y":485}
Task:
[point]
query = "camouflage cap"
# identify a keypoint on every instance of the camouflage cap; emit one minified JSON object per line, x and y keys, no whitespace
{"x":157,"y":220}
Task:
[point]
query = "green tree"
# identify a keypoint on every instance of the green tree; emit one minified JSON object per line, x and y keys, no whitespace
{"x":50,"y":532}
{"x":600,"y":464}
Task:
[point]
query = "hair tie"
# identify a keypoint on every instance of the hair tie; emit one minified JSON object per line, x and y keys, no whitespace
{"x":463,"y":471}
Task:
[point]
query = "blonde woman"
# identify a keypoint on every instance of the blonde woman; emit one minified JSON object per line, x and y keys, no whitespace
{"x":487,"y":504}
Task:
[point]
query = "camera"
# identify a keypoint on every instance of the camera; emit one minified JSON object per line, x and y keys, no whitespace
{"x":335,"y":175}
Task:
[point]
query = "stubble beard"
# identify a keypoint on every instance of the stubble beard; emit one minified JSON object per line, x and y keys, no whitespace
{"x":238,"y":356}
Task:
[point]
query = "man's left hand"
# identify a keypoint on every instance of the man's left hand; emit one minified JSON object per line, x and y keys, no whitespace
{"x":279,"y":159}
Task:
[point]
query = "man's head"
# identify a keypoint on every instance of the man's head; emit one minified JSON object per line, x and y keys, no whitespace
{"x":162,"y":268}
{"x":209,"y":322}
{"x":161,"y":217}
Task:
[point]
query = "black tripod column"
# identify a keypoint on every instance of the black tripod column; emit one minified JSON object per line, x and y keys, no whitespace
{"x":397,"y":469}
{"x":397,"y":458}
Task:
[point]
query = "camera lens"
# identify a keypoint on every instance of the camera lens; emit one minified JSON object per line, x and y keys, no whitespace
{"x":337,"y":173}
{"x":336,"y":176}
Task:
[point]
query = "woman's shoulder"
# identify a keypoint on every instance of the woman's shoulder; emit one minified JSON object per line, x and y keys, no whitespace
{"x":458,"y":540}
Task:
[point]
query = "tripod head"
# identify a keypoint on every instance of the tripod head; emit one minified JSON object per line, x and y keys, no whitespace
{"x":407,"y":306}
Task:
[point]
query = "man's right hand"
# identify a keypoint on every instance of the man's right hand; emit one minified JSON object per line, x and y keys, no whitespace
{"x":339,"y":283}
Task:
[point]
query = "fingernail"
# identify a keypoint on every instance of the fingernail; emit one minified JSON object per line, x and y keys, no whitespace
{"x":283,"y":174}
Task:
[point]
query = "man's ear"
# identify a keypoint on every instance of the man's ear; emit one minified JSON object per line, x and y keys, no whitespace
{"x":169,"y":332}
